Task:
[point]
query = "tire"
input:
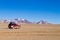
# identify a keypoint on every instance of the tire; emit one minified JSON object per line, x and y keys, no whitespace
{"x":9,"y":26}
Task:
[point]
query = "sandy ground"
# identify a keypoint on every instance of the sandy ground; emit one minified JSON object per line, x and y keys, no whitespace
{"x":30,"y":32}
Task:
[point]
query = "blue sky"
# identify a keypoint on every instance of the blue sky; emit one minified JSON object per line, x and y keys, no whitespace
{"x":33,"y":10}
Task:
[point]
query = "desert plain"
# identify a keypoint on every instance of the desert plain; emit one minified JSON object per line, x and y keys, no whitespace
{"x":30,"y":32}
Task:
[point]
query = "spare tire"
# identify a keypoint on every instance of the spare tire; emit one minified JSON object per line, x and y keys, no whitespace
{"x":9,"y":26}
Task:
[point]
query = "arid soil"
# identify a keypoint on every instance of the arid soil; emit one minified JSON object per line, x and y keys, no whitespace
{"x":30,"y":32}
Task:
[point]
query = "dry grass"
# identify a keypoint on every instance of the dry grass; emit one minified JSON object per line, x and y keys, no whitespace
{"x":31,"y":32}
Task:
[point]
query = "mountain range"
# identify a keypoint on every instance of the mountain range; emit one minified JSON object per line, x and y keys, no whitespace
{"x":25,"y":21}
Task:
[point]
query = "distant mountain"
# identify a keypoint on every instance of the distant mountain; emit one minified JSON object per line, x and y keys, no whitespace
{"x":17,"y":20}
{"x":25,"y":21}
{"x":42,"y":22}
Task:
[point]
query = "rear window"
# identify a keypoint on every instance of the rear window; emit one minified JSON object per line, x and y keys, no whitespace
{"x":12,"y":23}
